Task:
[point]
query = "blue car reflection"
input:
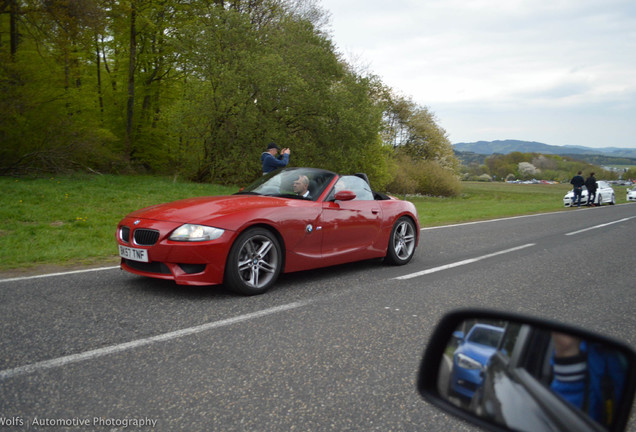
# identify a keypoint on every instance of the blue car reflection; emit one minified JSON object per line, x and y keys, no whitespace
{"x":471,"y":356}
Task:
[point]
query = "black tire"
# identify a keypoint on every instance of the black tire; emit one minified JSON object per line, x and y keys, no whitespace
{"x":402,"y":242}
{"x":613,"y":200}
{"x":600,"y":200}
{"x":254,"y":262}
{"x":449,"y":387}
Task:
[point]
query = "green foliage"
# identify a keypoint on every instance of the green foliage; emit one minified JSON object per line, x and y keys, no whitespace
{"x":629,"y":173}
{"x":194,"y":88}
{"x":525,"y":166}
{"x":413,"y":130}
{"x":48,"y":117}
{"x":424,"y":178}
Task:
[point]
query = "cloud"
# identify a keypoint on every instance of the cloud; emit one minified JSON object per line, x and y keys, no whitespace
{"x":565,"y":56}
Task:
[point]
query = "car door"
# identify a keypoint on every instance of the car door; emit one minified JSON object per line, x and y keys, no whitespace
{"x":350,"y":228}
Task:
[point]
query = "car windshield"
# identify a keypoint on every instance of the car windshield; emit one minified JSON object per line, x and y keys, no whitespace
{"x":299,"y":183}
{"x":485,"y":336}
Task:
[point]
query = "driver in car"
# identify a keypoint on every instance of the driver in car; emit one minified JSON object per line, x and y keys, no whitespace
{"x":301,"y":186}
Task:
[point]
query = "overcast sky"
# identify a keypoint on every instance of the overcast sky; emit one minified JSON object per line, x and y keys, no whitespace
{"x":560,"y":72}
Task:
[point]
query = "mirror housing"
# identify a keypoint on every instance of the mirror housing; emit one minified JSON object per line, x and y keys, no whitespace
{"x":345,"y":195}
{"x":541,"y":404}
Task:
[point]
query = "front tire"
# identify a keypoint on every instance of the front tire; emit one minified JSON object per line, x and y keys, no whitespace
{"x":613,"y":200}
{"x":254,"y":262}
{"x":402,"y":242}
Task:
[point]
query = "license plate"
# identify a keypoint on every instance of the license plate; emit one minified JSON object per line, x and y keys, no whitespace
{"x":133,"y":254}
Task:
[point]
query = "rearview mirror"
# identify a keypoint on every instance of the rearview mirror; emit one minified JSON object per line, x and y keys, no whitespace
{"x":510,"y":372}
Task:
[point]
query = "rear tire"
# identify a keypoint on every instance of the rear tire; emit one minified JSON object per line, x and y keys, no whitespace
{"x":402,"y":242}
{"x":254,"y":262}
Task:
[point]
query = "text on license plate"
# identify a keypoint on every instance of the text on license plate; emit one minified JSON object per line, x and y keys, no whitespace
{"x":133,"y":254}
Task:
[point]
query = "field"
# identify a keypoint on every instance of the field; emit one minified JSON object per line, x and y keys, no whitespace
{"x":70,"y":221}
{"x":481,"y":200}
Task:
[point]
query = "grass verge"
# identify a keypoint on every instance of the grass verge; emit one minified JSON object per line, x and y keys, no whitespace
{"x":70,"y":220}
{"x":481,"y":201}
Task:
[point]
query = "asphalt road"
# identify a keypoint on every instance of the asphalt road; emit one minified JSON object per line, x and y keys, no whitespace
{"x":335,"y":349}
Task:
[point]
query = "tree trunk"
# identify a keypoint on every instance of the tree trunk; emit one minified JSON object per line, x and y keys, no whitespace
{"x":130,"y":108}
{"x":13,"y":27}
{"x":99,"y":77}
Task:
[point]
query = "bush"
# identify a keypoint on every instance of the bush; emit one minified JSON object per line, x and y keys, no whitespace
{"x":423,"y":177}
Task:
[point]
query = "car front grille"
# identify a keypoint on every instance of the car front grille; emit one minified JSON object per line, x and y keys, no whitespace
{"x":146,"y":237}
{"x":467,"y":385}
{"x":152,"y":267}
{"x":124,"y":234}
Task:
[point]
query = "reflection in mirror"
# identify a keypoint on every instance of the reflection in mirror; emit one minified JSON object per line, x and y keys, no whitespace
{"x":526,"y":378}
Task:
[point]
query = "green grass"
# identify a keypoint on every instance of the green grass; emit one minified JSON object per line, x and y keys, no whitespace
{"x":481,"y":201}
{"x":72,"y":220}
{"x":68,"y":220}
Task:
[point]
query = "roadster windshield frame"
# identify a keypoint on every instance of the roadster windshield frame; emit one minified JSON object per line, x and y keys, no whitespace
{"x":279,"y":183}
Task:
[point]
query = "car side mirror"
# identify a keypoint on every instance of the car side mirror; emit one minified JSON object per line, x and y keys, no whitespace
{"x":345,"y":195}
{"x":515,"y":372}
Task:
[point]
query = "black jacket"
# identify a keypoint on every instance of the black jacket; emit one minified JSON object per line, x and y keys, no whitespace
{"x":577,"y":181}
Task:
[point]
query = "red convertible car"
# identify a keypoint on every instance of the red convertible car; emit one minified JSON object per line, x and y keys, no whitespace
{"x":289,"y":220}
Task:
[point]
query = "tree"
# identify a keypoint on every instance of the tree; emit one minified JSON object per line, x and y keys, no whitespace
{"x":194,"y":87}
{"x":527,"y":170}
{"x":413,"y":130}
{"x":47,"y":114}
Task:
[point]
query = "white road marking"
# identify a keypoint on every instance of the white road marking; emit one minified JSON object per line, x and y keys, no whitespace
{"x":421,"y":229}
{"x":494,"y":220}
{"x":58,"y":274}
{"x":100,"y":352}
{"x":460,"y":263}
{"x":599,"y":226}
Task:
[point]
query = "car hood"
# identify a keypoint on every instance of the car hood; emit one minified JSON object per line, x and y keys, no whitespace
{"x":206,"y":209}
{"x":571,"y":193}
{"x":481,"y":353}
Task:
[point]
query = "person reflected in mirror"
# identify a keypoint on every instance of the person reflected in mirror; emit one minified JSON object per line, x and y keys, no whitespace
{"x":588,"y":376}
{"x":577,"y":182}
{"x":590,"y":184}
{"x":301,"y":186}
{"x":269,"y":159}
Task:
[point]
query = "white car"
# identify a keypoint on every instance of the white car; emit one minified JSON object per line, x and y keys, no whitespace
{"x":604,"y":195}
{"x":631,"y":194}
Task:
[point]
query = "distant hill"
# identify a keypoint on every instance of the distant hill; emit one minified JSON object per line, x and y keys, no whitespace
{"x":509,"y":146}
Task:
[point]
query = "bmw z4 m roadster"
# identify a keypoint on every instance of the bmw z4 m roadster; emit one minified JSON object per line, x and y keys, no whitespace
{"x":289,"y":220}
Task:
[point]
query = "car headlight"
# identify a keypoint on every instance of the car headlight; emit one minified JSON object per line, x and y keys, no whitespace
{"x":196,"y":233}
{"x":466,"y":362}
